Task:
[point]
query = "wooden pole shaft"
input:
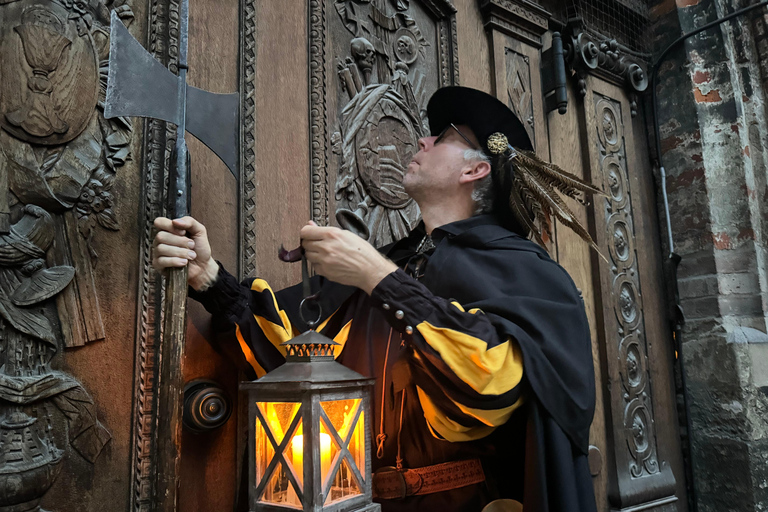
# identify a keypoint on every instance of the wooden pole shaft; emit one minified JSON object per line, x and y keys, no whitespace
{"x":171,"y":392}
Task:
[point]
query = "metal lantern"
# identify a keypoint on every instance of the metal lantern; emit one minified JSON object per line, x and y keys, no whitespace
{"x":309,"y":429}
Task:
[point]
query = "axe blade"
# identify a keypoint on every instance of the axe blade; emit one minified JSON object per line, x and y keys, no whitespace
{"x":213,"y":119}
{"x":137,"y":84}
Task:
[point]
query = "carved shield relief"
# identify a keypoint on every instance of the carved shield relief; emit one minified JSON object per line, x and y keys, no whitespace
{"x":375,"y":63}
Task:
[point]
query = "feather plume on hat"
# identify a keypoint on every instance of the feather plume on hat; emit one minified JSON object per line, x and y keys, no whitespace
{"x":535,"y":188}
{"x":527,"y":189}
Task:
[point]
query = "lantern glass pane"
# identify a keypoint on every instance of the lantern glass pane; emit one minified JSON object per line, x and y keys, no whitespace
{"x":357,"y":445}
{"x":279,"y":416}
{"x":280,"y":490}
{"x":343,"y":416}
{"x":342,"y":413}
{"x":344,"y":485}
{"x":276,"y":425}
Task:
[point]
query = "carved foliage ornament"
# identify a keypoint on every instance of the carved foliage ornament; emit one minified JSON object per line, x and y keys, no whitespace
{"x":628,"y":309}
{"x":58,"y":160}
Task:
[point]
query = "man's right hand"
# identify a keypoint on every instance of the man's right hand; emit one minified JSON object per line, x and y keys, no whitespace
{"x":184,"y":242}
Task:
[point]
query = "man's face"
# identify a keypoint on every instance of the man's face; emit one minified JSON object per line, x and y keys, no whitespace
{"x":438,"y":165}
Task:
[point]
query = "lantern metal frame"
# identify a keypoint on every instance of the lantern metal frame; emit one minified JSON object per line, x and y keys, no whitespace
{"x":311,"y":376}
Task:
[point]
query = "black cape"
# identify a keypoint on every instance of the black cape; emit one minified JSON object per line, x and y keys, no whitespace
{"x":533,"y":300}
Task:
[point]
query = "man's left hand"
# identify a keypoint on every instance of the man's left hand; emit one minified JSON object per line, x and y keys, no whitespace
{"x":344,"y":257}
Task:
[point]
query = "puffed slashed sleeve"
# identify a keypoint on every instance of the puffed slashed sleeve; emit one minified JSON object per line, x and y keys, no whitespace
{"x":468,"y":377}
{"x":248,"y":313}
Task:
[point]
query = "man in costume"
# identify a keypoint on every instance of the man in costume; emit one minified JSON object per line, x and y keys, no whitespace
{"x":478,"y":340}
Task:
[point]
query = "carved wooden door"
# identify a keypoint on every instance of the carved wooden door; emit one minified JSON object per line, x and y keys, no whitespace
{"x":636,"y":456}
{"x":371,"y":67}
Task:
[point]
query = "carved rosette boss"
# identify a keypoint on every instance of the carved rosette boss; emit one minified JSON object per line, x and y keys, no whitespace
{"x":58,"y":160}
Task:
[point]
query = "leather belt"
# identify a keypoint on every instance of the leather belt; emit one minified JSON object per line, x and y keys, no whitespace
{"x":389,"y":483}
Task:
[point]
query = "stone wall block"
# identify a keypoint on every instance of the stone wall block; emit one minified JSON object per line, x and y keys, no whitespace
{"x":699,"y":263}
{"x":701,"y":307}
{"x":738,"y":283}
{"x":741,"y":259}
{"x":700,"y":328}
{"x":742,"y":306}
{"x":722,"y":471}
{"x":711,"y":365}
{"x":698,"y":286}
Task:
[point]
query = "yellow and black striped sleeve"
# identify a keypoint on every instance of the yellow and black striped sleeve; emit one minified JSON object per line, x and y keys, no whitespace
{"x":468,"y":376}
{"x":249,"y":313}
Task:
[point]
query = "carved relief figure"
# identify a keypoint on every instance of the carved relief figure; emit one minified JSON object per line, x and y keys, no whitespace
{"x":43,"y":42}
{"x":381,"y":123}
{"x":58,"y":160}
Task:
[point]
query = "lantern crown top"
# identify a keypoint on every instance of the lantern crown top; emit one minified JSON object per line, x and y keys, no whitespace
{"x":309,"y":360}
{"x":309,"y":346}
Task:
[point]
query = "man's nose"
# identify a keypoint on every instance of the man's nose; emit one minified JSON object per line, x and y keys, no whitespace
{"x":423,"y":143}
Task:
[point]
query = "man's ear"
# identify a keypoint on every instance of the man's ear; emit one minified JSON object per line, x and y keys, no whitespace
{"x":475,"y":171}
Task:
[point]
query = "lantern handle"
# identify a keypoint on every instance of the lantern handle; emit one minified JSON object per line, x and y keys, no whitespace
{"x":309,"y":297}
{"x":306,"y":300}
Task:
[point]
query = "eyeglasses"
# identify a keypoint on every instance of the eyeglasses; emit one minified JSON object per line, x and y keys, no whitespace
{"x":443,"y":133}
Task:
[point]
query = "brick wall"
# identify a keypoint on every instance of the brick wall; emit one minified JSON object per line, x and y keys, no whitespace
{"x":712,"y":103}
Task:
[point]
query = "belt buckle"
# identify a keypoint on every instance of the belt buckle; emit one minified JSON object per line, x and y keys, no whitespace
{"x":385,"y":471}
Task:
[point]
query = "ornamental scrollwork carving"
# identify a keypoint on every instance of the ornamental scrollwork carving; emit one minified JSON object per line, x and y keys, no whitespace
{"x":389,"y":56}
{"x":58,"y":162}
{"x":638,"y":421}
{"x":588,"y":53}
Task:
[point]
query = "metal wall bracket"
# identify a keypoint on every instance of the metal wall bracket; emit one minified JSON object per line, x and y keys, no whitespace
{"x":553,"y":76}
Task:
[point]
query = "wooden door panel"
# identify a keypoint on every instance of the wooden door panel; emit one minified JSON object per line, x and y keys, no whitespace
{"x":208,"y":469}
{"x":566,"y":147}
{"x":70,"y":185}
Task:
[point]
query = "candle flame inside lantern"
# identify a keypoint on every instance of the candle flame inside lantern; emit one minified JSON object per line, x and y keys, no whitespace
{"x":297,"y":452}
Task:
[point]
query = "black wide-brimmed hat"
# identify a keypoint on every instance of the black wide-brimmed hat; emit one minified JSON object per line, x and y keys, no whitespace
{"x":526,"y":188}
{"x":484,"y":114}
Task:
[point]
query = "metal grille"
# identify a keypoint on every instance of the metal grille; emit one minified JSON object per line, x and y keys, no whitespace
{"x":623,"y":20}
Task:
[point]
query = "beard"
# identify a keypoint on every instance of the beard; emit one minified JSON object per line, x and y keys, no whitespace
{"x":414,"y":186}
